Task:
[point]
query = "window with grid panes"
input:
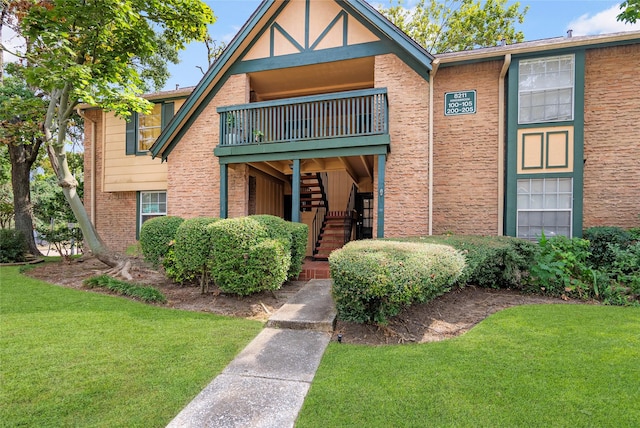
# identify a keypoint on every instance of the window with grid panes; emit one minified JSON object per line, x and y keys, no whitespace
{"x":152,"y":204}
{"x":546,"y":89}
{"x":544,"y":204}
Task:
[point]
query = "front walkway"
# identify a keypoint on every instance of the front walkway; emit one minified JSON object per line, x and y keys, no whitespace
{"x":265,"y":385}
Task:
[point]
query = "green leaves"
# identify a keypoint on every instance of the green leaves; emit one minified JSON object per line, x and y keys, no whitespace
{"x":630,"y":11}
{"x":460,"y":24}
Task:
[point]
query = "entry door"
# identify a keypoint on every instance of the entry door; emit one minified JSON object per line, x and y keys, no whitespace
{"x":364,"y":208}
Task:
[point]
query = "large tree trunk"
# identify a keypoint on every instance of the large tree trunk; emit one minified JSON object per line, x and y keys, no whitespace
{"x":22,"y":158}
{"x":67,"y":181}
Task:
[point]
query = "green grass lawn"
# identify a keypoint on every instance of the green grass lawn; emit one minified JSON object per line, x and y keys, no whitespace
{"x":76,"y":358}
{"x":529,"y":366}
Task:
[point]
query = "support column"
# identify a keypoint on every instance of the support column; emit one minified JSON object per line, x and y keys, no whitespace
{"x":295,"y":192}
{"x":224,"y":190}
{"x":382,"y":160}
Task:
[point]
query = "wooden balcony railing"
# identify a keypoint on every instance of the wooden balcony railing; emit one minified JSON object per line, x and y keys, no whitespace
{"x":343,"y":114}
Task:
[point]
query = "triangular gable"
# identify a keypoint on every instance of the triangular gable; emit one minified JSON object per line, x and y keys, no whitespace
{"x":286,"y":33}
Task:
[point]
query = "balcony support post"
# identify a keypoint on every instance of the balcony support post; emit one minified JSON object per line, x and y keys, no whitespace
{"x":224,"y":190}
{"x":382,"y":160}
{"x":295,"y":192}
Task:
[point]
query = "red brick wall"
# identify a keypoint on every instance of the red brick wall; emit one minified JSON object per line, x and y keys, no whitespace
{"x":407,"y":170}
{"x":465,"y":199}
{"x":194,"y":172}
{"x":115,"y":212}
{"x":612,"y":137}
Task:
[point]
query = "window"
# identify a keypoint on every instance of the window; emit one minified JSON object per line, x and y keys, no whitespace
{"x":546,"y":89}
{"x":149,"y":127}
{"x":544,"y":204}
{"x":144,"y":129}
{"x":152,"y":204}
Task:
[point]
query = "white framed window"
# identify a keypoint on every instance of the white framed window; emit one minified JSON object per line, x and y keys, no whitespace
{"x":152,"y":204}
{"x":544,"y":204}
{"x":546,"y":89}
{"x":149,"y":127}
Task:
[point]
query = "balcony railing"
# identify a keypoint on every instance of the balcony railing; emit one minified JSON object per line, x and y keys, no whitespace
{"x":343,"y":114}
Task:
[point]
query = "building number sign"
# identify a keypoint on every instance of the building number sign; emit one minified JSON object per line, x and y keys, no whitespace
{"x":461,"y":102}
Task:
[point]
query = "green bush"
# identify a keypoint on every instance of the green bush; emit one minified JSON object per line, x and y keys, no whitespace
{"x":235,"y":249}
{"x":13,"y":246}
{"x":294,"y":236}
{"x":562,"y":268}
{"x":300,"y":234}
{"x":491,"y":261}
{"x":267,"y":266}
{"x":373,"y":280}
{"x":156,"y":235}
{"x":603,"y":241}
{"x":146,"y":294}
{"x":191,"y":251}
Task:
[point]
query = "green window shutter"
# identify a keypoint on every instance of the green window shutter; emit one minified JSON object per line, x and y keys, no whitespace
{"x":167,"y":113}
{"x":132,"y":134}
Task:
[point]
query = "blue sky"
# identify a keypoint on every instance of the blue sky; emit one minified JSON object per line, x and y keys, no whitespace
{"x":545,"y":18}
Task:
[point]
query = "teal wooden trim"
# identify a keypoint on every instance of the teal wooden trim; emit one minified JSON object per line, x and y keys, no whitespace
{"x":578,"y":144}
{"x":305,"y":99}
{"x":276,"y":27}
{"x":167,"y":113}
{"x":545,"y":124}
{"x":138,"y":216}
{"x":131,"y":134}
{"x":345,"y":30}
{"x":224,"y":191}
{"x":307,"y":21}
{"x":312,"y":154}
{"x":541,"y":164}
{"x":341,"y":15}
{"x":310,"y":57}
{"x":382,"y":160}
{"x":511,"y":184}
{"x":295,"y":192}
{"x":566,"y":149}
{"x":546,"y":175}
{"x":329,"y":145}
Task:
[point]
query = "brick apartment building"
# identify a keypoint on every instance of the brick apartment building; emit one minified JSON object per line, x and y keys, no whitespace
{"x":323,"y":111}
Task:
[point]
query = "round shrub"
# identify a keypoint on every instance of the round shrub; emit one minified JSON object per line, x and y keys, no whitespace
{"x":293,"y":234}
{"x":13,"y":246}
{"x":156,"y":235}
{"x":373,"y":280}
{"x":236,"y":254}
{"x":603,"y":243}
{"x":267,"y":266}
{"x":191,"y":249}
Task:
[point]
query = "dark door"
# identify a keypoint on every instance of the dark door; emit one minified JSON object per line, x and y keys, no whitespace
{"x":364,"y":208}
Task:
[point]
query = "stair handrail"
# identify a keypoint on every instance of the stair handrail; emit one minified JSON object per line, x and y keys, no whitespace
{"x":323,"y":178}
{"x":316,"y":227}
{"x":348,"y":221}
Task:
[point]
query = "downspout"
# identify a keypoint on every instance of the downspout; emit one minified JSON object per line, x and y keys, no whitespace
{"x":432,"y":75}
{"x":501,"y":143}
{"x":92,"y":199}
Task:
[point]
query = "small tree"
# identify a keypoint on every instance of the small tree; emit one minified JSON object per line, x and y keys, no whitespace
{"x":104,"y":53}
{"x":458,"y":25}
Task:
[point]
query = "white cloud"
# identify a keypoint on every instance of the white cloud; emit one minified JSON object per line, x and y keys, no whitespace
{"x":600,"y":23}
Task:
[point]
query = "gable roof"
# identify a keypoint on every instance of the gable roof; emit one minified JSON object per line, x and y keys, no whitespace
{"x":266,"y":12}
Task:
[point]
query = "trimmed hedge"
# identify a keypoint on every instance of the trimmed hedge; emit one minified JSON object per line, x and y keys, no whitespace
{"x":156,"y":235}
{"x":13,"y":246}
{"x":239,"y":249}
{"x":374,"y":279}
{"x":294,"y":236}
{"x":491,"y":261}
{"x":191,"y":250}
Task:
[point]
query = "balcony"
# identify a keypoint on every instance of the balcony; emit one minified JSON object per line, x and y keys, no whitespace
{"x":352,"y":114}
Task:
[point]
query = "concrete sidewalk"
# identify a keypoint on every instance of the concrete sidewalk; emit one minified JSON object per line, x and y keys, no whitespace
{"x":265,"y":385}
